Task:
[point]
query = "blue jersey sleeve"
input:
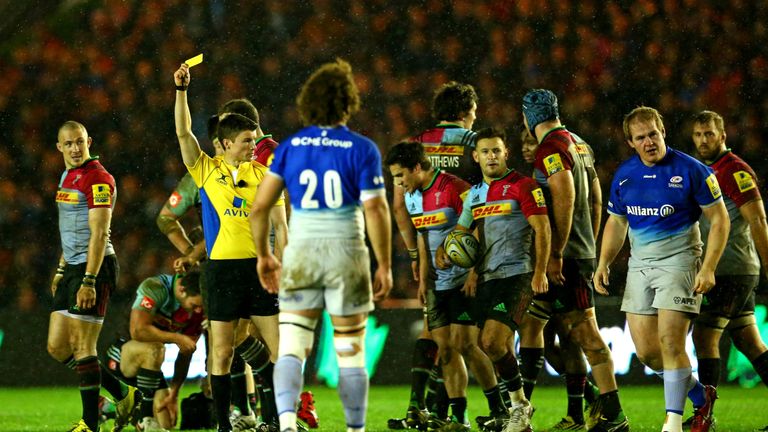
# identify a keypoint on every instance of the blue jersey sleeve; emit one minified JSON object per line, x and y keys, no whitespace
{"x":615,"y":204}
{"x":371,"y":177}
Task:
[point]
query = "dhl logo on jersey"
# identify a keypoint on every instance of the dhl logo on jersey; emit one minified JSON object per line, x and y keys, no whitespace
{"x":430,"y":220}
{"x":65,"y":197}
{"x":492,"y":210}
{"x":714,"y":187}
{"x":444,"y":150}
{"x":744,"y":181}
{"x":582,"y":149}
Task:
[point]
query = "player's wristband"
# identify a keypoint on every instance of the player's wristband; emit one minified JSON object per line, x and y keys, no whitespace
{"x":413,"y":253}
{"x":60,"y":270}
{"x":181,"y":88}
{"x":89,"y":280}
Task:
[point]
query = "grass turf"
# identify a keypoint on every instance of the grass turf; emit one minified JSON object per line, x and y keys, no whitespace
{"x":737,"y":410}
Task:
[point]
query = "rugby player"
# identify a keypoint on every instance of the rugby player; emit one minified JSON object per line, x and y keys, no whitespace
{"x":87,"y":270}
{"x":659,"y":196}
{"x":334,"y":176}
{"x":731,"y":303}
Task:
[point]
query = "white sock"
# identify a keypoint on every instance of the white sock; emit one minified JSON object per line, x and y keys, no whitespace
{"x":673,"y":423}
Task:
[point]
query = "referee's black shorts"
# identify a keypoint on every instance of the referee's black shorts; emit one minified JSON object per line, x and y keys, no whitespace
{"x":234,"y":291}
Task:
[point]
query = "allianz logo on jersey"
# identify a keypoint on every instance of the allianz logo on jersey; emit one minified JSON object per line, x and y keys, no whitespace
{"x":320,"y":141}
{"x":663,"y":211}
{"x":240,"y":208}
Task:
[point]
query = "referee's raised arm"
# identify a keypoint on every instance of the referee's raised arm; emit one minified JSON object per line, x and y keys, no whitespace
{"x":190,"y":149}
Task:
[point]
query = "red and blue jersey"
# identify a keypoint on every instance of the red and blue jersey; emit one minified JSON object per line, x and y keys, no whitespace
{"x":739,"y":185}
{"x":662,"y":204}
{"x":435,"y":212}
{"x":501,"y":209}
{"x":449,"y":148}
{"x":328,"y":172}
{"x":81,"y":189}
{"x":155,"y":295}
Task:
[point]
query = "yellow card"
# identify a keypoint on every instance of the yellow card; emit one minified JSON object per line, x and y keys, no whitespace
{"x":194,"y":61}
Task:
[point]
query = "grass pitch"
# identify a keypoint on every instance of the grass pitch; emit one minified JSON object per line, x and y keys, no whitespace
{"x":737,"y":410}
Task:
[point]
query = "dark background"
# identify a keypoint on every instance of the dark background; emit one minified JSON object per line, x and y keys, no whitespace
{"x":109,"y":65}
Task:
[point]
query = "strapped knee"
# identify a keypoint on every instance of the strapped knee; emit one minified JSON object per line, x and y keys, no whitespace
{"x":712,"y":321}
{"x":297,"y":334}
{"x":349,"y":342}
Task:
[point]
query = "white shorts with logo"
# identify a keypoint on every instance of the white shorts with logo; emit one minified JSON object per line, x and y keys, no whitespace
{"x":668,"y":288}
{"x":333,"y":274}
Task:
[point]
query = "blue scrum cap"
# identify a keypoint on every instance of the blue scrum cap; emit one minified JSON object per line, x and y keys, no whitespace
{"x":539,"y":105}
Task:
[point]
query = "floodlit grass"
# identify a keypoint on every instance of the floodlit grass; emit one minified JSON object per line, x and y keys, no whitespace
{"x":738,"y":410}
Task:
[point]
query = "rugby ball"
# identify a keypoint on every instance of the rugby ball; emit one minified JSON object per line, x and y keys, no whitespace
{"x":462,"y":248}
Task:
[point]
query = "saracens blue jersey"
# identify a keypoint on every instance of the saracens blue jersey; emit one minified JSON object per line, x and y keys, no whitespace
{"x":328,"y":172}
{"x":662,"y":204}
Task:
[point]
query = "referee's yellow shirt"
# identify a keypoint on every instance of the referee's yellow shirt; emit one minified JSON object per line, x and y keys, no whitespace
{"x":226,"y":194}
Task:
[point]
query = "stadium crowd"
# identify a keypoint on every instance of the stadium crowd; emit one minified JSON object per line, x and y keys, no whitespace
{"x":110,"y":73}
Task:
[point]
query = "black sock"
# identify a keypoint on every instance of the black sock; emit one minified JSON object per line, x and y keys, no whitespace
{"x":431,"y":394}
{"x":111,"y":384}
{"x":591,"y":392}
{"x":709,"y":371}
{"x":574,"y":385}
{"x":439,"y":396}
{"x":495,"y":403}
{"x":221,"y":387}
{"x":509,"y":371}
{"x":90,"y":383}
{"x":424,"y":354}
{"x":504,"y":390}
{"x":239,"y":386}
{"x":148,"y":381}
{"x":611,"y":406}
{"x":254,"y":352}
{"x":265,"y":386}
{"x":761,"y":366}
{"x":531,"y":362}
{"x":458,"y":408}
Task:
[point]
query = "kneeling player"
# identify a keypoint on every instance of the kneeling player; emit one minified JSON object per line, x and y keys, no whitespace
{"x":167,"y":309}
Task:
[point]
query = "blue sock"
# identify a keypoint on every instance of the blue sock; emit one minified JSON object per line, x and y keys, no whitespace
{"x":288,"y":383}
{"x":676,"y":385}
{"x":696,"y":393}
{"x":353,"y":391}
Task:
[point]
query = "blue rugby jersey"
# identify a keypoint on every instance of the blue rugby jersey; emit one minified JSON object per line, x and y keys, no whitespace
{"x":328,"y":172}
{"x":662,"y":204}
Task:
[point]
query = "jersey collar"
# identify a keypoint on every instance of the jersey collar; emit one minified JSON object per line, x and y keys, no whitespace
{"x":720,"y":156}
{"x":262,"y":139}
{"x":431,"y":182}
{"x":448,"y":125}
{"x":554,"y":129}
{"x":505,"y":175}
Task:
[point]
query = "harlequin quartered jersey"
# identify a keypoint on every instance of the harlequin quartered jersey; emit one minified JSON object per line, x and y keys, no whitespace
{"x":226,"y":195}
{"x":662,"y":204}
{"x":328,"y":172}
{"x":449,"y":148}
{"x":739,"y":185}
{"x":81,"y":189}
{"x":155,"y":295}
{"x":501,"y":209}
{"x":562,"y":150}
{"x":435,"y":212}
